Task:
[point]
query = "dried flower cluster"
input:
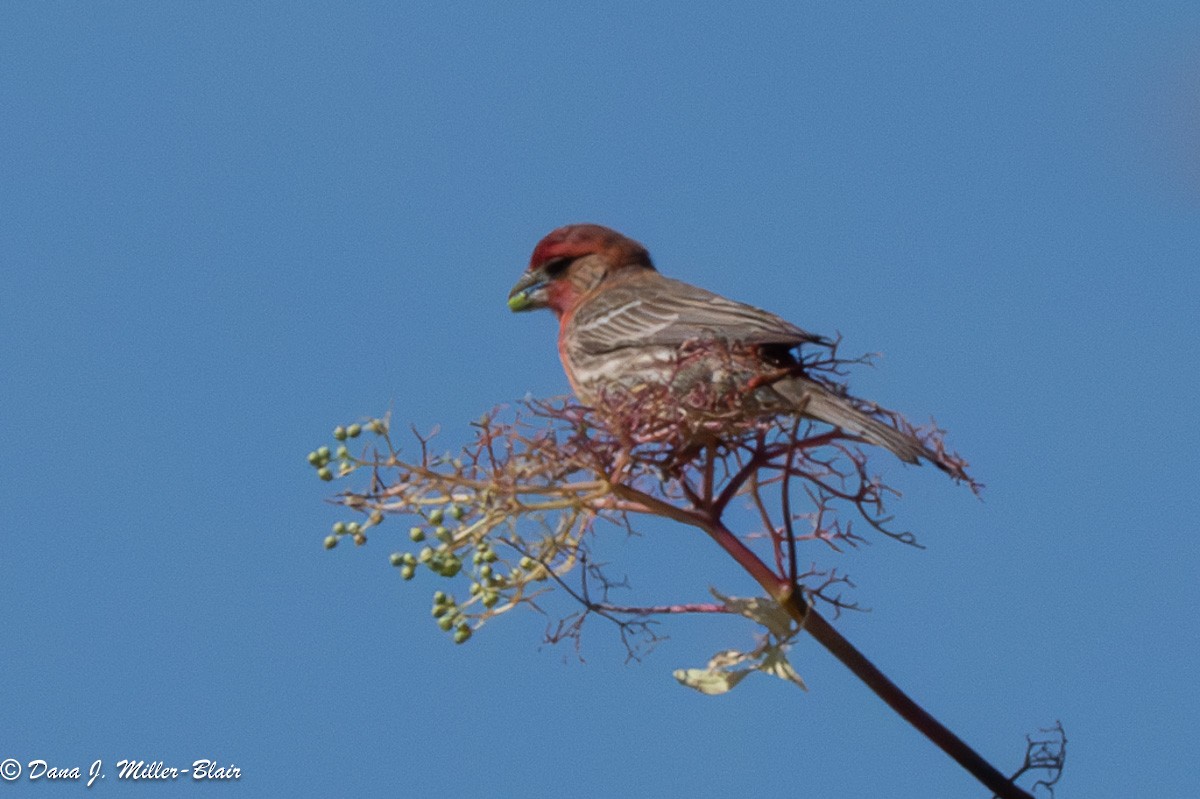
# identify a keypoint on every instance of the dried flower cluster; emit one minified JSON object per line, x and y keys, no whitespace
{"x":509,"y":516}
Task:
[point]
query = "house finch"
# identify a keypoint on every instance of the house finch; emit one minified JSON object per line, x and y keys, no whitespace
{"x":623,"y":325}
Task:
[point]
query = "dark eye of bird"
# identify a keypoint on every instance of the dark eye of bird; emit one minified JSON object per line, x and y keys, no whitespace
{"x":556,"y":266}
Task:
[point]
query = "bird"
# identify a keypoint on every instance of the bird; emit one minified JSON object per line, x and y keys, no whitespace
{"x":623,"y":324}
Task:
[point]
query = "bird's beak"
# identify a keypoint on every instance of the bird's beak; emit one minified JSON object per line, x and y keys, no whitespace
{"x":529,"y":293}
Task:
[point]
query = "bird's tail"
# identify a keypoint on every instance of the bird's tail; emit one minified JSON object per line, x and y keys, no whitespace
{"x":814,"y":400}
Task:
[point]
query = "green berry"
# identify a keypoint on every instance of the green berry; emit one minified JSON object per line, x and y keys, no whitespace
{"x":376,"y":517}
{"x":485,"y":571}
{"x":354,"y":430}
{"x":409,"y":559}
{"x":416,"y":534}
{"x":407,"y":572}
{"x":330,"y":541}
{"x":527,"y":563}
{"x":342,"y":452}
{"x":323,"y":453}
{"x":378,"y":426}
{"x":446,"y":622}
{"x":397,"y":559}
{"x":339,"y":528}
{"x":439,"y":597}
{"x":339,"y":433}
{"x":425,"y":555}
{"x":462,"y":634}
{"x":325,"y":474}
{"x":436,"y":515}
{"x":439,"y":611}
{"x":314,"y":458}
{"x":457,"y":512}
{"x":452,"y":567}
{"x":490,"y":556}
{"x":475,"y":588}
{"x":490,"y":599}
{"x":443,"y":534}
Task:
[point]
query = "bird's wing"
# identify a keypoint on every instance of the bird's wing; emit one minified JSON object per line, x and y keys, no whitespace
{"x":653,"y":310}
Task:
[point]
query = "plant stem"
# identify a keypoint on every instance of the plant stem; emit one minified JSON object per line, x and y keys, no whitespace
{"x":897,"y":700}
{"x":793,"y":602}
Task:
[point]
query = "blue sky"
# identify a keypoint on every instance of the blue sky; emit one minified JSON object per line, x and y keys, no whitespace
{"x":226,"y":228}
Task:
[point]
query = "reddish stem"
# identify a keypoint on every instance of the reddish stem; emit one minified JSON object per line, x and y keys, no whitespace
{"x":784,"y":592}
{"x":825,"y":634}
{"x":897,"y":700}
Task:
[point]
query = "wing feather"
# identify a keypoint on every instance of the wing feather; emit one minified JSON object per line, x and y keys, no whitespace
{"x":659,"y":311}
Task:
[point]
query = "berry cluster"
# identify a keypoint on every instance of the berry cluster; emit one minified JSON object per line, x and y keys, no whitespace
{"x":321,"y":457}
{"x":463,"y":520}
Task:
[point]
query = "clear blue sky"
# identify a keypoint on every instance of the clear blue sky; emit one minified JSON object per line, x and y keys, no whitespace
{"x":226,"y":228}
